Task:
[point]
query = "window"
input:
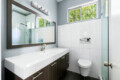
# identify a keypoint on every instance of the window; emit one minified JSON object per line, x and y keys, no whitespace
{"x":43,"y":22}
{"x":47,"y":23}
{"x":82,"y":13}
{"x":89,"y":12}
{"x":74,"y":15}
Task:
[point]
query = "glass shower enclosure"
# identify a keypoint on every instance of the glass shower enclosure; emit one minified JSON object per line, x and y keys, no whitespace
{"x":105,"y":38}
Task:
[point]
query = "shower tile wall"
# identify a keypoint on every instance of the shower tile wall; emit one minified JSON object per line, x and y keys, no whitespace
{"x":69,"y":36}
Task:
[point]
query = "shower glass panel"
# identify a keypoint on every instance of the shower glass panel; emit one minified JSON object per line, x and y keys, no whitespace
{"x":105,"y":38}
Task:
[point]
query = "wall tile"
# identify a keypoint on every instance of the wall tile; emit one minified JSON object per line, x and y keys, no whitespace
{"x":69,"y":36}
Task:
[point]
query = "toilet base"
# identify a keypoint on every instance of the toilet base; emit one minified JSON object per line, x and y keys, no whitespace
{"x":84,"y":72}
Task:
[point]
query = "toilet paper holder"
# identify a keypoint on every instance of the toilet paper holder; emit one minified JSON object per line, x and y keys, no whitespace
{"x":86,"y":39}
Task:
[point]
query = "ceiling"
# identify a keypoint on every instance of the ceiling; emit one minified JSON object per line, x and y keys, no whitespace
{"x":59,"y":0}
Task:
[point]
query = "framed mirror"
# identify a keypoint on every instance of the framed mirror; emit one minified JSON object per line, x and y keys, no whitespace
{"x":28,"y":28}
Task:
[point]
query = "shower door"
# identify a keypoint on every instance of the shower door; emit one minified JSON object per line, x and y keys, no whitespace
{"x":110,"y":39}
{"x":105,"y":39}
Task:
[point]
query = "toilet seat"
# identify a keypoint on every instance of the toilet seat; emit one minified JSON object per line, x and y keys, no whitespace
{"x":84,"y":63}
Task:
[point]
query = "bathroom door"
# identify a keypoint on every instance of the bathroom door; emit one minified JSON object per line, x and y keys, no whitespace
{"x":114,"y":40}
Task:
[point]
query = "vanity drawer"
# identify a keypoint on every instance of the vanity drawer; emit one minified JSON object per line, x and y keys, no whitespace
{"x":37,"y":76}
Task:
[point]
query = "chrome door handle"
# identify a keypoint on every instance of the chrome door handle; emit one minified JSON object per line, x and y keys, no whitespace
{"x":63,"y":57}
{"x":37,"y":76}
{"x":54,"y":64}
{"x":108,"y":64}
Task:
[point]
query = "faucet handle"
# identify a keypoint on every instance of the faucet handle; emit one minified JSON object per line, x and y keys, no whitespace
{"x":43,"y":47}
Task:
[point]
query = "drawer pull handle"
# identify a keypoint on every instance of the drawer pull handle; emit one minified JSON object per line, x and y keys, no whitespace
{"x":37,"y":76}
{"x":54,"y":64}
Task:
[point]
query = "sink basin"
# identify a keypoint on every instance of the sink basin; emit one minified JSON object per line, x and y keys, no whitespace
{"x":27,"y":64}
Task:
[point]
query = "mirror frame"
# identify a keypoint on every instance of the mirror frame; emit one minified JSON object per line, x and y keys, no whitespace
{"x":9,"y":26}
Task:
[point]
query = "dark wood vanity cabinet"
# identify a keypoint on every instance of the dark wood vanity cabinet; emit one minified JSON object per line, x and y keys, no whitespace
{"x":67,"y":61}
{"x":59,"y":67}
{"x":47,"y":73}
{"x":63,"y":65}
{"x":37,"y":76}
{"x":54,"y":71}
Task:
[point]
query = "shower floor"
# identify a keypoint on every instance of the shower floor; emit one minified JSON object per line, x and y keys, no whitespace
{"x":74,"y":76}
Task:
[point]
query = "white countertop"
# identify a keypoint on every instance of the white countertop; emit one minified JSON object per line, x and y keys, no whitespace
{"x":27,"y":64}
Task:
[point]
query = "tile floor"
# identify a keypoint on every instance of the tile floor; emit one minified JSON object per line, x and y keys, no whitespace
{"x":74,"y":76}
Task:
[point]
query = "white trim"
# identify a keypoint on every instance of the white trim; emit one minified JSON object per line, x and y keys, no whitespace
{"x":67,"y":16}
{"x":0,"y":37}
{"x":80,"y":21}
{"x":97,"y":10}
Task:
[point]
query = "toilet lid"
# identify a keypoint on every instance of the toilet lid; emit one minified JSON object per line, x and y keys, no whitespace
{"x":84,"y":63}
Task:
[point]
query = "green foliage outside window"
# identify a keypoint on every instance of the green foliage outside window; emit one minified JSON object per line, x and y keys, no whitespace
{"x":77,"y":14}
{"x":89,"y":12}
{"x":47,"y":23}
{"x":41,"y":22}
{"x":74,"y":15}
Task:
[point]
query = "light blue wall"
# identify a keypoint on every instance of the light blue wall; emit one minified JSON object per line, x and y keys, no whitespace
{"x":65,"y":4}
{"x":51,"y":5}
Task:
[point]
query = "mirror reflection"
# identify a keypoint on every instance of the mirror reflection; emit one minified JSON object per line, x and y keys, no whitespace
{"x":28,"y":28}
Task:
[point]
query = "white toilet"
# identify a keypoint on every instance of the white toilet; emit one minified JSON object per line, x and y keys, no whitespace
{"x":84,"y":66}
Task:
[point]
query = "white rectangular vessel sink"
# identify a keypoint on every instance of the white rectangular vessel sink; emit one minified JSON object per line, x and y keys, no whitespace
{"x":27,"y":64}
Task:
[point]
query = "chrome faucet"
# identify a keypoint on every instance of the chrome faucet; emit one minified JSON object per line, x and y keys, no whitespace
{"x":43,"y":47}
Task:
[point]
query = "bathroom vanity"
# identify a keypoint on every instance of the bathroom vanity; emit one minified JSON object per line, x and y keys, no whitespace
{"x":48,"y":65}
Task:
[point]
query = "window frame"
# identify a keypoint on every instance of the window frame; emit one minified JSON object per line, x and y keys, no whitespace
{"x":80,"y":7}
